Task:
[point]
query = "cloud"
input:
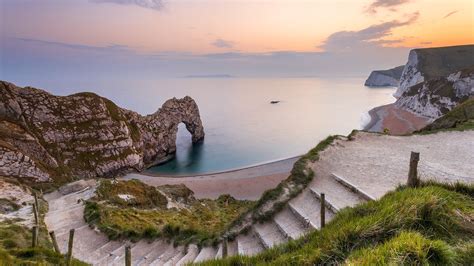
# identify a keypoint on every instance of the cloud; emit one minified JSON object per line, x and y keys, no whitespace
{"x":151,"y":4}
{"x":220,"y":43}
{"x":451,"y":13}
{"x":391,"y":4}
{"x":109,"y":48}
{"x":366,"y":38}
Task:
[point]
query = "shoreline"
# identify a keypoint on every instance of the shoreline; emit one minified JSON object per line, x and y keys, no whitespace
{"x":397,"y":121}
{"x":237,"y":169}
{"x":247,"y":183}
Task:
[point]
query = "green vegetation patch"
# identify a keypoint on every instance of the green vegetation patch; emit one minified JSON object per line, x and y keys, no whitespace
{"x":459,"y":119}
{"x":432,"y":224}
{"x":191,"y":221}
{"x":130,"y":193}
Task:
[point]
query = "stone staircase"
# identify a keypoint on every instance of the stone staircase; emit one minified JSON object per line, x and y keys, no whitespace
{"x":301,"y":215}
{"x":348,"y":173}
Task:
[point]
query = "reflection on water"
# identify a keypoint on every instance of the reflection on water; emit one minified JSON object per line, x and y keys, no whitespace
{"x":188,"y":155}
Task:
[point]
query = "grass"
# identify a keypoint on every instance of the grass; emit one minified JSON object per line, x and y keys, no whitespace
{"x":141,"y":195}
{"x":15,"y":245}
{"x":196,"y":221}
{"x":459,"y":119}
{"x":431,"y":224}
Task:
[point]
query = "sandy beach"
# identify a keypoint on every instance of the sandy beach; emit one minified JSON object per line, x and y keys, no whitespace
{"x":396,"y":120}
{"x":246,"y":183}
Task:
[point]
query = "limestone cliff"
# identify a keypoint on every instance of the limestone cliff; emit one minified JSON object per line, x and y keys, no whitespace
{"x":57,"y":138}
{"x":436,"y":97}
{"x":384,"y":78}
{"x":432,"y":63}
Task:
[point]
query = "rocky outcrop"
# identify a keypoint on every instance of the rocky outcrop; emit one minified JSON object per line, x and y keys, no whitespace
{"x":44,"y":137}
{"x":432,"y":63}
{"x":384,"y":78}
{"x":436,"y":97}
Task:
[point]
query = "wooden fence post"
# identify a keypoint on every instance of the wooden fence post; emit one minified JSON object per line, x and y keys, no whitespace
{"x":36,"y":200}
{"x":128,"y":255}
{"x":35,"y":212}
{"x":323,"y":210}
{"x":224,"y":248}
{"x":69,"y":247}
{"x":55,"y":243}
{"x":413,"y":180}
{"x":34,"y":233}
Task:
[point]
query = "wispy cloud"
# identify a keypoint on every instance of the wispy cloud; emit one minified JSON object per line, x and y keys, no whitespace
{"x":365,"y":38}
{"x":220,"y":43}
{"x":110,"y":48}
{"x":451,"y":13}
{"x":151,"y":4}
{"x":390,"y":4}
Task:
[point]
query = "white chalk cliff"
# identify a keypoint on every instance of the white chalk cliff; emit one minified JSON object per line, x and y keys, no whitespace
{"x":431,"y":63}
{"x":384,"y":78}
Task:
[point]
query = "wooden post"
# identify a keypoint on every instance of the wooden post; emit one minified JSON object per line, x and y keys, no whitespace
{"x":34,"y":239}
{"x":69,"y":247}
{"x":35,"y":212}
{"x":128,"y":255}
{"x":36,"y":200}
{"x":413,"y":180}
{"x":224,"y":248}
{"x":323,"y":210}
{"x":55,"y":243}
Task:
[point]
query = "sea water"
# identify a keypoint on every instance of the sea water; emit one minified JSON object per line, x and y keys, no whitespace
{"x":242,"y":127}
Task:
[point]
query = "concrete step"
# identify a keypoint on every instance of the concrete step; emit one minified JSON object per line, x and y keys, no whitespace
{"x":169,"y":253}
{"x":192,"y":253}
{"x":177,"y":257}
{"x":343,"y":181}
{"x":269,"y":234}
{"x":156,"y":251}
{"x":232,"y":248}
{"x":340,"y":196}
{"x":206,"y":253}
{"x":219,"y":252}
{"x":328,"y":202}
{"x":113,"y":256}
{"x":81,"y":241}
{"x":103,"y":252}
{"x":249,"y":244}
{"x":308,"y":208}
{"x":141,"y":249}
{"x":289,"y":224}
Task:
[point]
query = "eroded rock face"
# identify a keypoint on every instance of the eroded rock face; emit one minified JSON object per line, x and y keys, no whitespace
{"x":436,"y":97}
{"x":44,"y":137}
{"x":432,"y":63}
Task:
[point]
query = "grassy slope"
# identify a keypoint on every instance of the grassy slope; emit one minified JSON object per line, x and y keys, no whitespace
{"x":201,"y":221}
{"x":432,"y":224}
{"x":458,"y":119}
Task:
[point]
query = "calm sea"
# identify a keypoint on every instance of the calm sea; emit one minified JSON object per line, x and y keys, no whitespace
{"x":242,"y":127}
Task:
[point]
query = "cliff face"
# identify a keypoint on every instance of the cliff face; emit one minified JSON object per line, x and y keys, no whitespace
{"x":436,"y":97}
{"x":384,"y":78}
{"x":45,"y":137}
{"x":432,"y":63}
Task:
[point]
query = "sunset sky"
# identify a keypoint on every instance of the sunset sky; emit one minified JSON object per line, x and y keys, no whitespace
{"x":238,"y":37}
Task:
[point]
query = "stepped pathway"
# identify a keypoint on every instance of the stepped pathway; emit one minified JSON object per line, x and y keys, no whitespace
{"x":348,"y":173}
